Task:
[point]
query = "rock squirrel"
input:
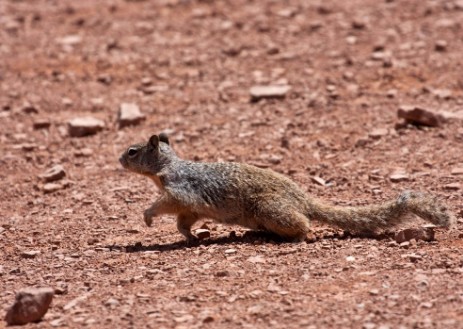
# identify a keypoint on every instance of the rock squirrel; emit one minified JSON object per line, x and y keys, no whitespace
{"x":259,"y":199}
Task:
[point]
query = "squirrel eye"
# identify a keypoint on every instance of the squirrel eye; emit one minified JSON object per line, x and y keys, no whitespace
{"x":132,"y":152}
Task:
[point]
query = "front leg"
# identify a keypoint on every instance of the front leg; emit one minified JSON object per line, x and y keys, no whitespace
{"x":163,"y":205}
{"x":184,"y":223}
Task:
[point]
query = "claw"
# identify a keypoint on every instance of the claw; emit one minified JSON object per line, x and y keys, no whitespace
{"x":148,"y":217}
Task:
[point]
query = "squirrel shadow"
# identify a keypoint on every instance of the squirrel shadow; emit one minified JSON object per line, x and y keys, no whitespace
{"x":249,"y":237}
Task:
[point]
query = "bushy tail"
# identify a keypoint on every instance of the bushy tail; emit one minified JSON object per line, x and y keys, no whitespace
{"x":386,"y":215}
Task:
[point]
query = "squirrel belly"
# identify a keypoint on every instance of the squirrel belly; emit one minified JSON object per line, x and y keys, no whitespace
{"x":241,"y":194}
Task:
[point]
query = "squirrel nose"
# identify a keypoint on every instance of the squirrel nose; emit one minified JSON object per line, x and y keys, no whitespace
{"x":122,"y":161}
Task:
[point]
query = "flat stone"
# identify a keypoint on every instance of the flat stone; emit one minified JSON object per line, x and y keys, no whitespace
{"x":112,"y":302}
{"x":53,"y":174}
{"x":84,"y":126}
{"x":148,"y":90}
{"x":52,"y":187}
{"x":275,"y":91}
{"x":318,"y":180}
{"x":399,"y":177}
{"x":70,"y":40}
{"x":30,"y":305}
{"x":41,"y":124}
{"x":30,"y":253}
{"x":420,"y":116}
{"x":29,"y":108}
{"x":442,"y":93}
{"x":453,"y":186}
{"x":412,"y":257}
{"x":230,"y":251}
{"x":422,"y":233}
{"x":374,"y":292}
{"x":73,"y":303}
{"x":129,"y":114}
{"x":452,"y":116}
{"x":359,"y":23}
{"x":457,"y":171}
{"x":440,"y":45}
{"x":202,"y":233}
{"x":378,"y":133}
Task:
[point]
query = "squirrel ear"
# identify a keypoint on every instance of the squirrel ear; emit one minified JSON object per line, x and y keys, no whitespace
{"x":154,"y":141}
{"x":163,"y":138}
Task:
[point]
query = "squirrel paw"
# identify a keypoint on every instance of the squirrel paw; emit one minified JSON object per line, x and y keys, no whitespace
{"x":148,"y":217}
{"x":192,"y":240}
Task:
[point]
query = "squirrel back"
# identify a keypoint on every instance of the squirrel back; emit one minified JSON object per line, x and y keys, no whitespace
{"x":236,"y":193}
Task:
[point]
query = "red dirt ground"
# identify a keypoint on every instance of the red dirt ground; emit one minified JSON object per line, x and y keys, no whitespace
{"x":189,"y":66}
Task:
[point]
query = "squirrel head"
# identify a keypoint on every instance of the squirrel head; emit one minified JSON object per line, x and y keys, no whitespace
{"x":148,"y":158}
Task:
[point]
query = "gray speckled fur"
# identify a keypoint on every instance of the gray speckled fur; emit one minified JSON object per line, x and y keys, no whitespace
{"x":240,"y":194}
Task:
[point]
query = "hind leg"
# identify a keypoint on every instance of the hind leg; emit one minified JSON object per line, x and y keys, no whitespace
{"x":283,"y":221}
{"x":184,"y":223}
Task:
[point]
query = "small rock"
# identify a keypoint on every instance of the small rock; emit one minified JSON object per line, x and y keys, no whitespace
{"x":453,"y":186}
{"x":318,"y":180}
{"x":378,"y":133}
{"x":391,"y":93}
{"x":442,"y":93}
{"x":361,"y":142}
{"x":74,"y":302}
{"x":420,"y":116}
{"x":29,"y":108}
{"x":61,"y":288}
{"x":85,"y":152}
{"x":41,"y":124}
{"x":30,"y":254}
{"x":351,"y":40}
{"x":457,"y":171}
{"x":350,"y":259}
{"x":275,"y":91}
{"x":129,"y":114}
{"x":148,"y":90}
{"x":405,"y":245}
{"x":53,"y":174}
{"x":146,"y":81}
{"x":424,"y":233}
{"x":202,"y":233}
{"x":105,"y":79}
{"x":413,"y":257}
{"x":30,"y":305}
{"x":369,"y":325}
{"x":230,"y":251}
{"x":57,"y":322}
{"x":67,"y":101}
{"x":399,"y":177}
{"x":70,"y":40}
{"x":28,"y":147}
{"x":422,"y":280}
{"x":112,"y":302}
{"x":440,"y":45}
{"x":374,"y":292}
{"x":52,"y":187}
{"x":84,"y":126}
{"x":256,"y":259}
{"x":381,"y":56}
{"x":452,"y":116}
{"x":358,"y":24}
